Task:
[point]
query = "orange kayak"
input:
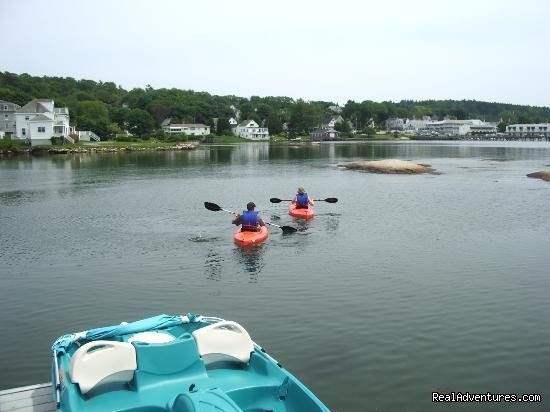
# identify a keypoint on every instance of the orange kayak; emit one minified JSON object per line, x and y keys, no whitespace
{"x":307,"y":214}
{"x":250,"y":238}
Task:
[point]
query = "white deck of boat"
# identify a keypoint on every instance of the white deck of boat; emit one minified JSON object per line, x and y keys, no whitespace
{"x":34,"y":398}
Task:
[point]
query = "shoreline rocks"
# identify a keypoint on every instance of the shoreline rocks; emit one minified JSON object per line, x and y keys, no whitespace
{"x":543,"y":174}
{"x":389,"y":166}
{"x":97,"y":149}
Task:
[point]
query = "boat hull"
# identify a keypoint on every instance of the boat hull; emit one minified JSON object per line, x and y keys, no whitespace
{"x":306,"y":214}
{"x":172,"y":363}
{"x":250,"y":238}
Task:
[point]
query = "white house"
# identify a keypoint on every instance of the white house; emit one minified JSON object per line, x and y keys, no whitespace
{"x":456,"y":127}
{"x":330,"y":123}
{"x":191,"y":129}
{"x":528,"y":130}
{"x":232,"y":122}
{"x":250,"y":130}
{"x":7,"y":116}
{"x":39,"y":120}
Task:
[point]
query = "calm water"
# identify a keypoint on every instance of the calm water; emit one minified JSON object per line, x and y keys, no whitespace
{"x":408,"y":285}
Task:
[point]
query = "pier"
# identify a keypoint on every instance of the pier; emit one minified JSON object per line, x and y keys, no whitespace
{"x":34,"y":398}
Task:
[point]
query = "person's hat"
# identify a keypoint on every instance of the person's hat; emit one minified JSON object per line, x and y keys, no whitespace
{"x":250,"y":205}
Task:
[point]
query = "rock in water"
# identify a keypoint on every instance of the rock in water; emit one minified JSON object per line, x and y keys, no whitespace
{"x":543,"y":174}
{"x":391,"y":166}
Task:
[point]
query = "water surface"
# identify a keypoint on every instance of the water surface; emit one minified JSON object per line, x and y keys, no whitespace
{"x":408,"y":285}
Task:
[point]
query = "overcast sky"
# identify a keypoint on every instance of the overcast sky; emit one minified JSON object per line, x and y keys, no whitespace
{"x":491,"y":50}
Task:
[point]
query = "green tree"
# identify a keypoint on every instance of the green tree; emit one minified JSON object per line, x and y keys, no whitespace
{"x":222,"y":127}
{"x":344,"y":128}
{"x":304,"y":117}
{"x":93,"y":115}
{"x":274,"y":124}
{"x":140,"y":122}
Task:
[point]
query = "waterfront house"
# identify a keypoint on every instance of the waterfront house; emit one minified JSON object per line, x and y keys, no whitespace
{"x":7,"y":117}
{"x":451,"y":127}
{"x":190,"y":129}
{"x":529,"y":130}
{"x":251,"y":130}
{"x":38,"y":121}
{"x":321,"y":134}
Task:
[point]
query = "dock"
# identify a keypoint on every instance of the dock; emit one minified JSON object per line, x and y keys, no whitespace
{"x":34,"y":398}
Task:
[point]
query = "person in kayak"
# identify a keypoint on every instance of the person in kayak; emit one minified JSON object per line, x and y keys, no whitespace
{"x":249,"y":220}
{"x":302,"y":200}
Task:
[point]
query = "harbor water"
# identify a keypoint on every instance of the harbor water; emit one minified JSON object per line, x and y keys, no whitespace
{"x":409,"y":285}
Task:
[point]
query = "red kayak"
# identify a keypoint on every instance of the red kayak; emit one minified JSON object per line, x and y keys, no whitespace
{"x":250,"y":238}
{"x":307,"y":214}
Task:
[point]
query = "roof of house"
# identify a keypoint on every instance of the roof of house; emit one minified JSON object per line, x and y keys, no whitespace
{"x":5,"y":101}
{"x":40,"y":118}
{"x":35,"y":106}
{"x":244,"y":123}
{"x":188,"y":125}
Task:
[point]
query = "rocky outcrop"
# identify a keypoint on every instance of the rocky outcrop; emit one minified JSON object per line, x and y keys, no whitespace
{"x":543,"y":174}
{"x":390,"y":166}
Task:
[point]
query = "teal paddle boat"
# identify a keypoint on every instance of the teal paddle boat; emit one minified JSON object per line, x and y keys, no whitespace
{"x":171,"y":363}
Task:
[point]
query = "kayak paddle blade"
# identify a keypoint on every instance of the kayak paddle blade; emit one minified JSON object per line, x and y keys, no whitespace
{"x":212,"y":206}
{"x":288,"y":229}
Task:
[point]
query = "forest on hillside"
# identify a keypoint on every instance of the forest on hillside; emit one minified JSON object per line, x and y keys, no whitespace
{"x":108,"y":109}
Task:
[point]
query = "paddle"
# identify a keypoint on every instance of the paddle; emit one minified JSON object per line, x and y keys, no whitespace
{"x":328,"y":200}
{"x":215,"y":208}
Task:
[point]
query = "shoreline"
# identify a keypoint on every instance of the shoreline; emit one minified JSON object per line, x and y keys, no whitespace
{"x":53,"y":150}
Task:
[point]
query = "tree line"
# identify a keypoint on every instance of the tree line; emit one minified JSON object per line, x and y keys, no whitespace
{"x":108,"y":109}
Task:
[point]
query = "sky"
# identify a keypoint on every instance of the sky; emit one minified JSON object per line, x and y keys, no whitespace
{"x":383,"y":50}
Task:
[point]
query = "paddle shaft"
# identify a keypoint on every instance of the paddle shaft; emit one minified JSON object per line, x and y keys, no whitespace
{"x":328,"y":199}
{"x":215,"y":208}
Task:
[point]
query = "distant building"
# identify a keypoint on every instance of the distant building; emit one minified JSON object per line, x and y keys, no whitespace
{"x":38,"y":121}
{"x":232,"y":122}
{"x":395,"y":124}
{"x":321,"y":134}
{"x":528,"y":130}
{"x":484,"y":129}
{"x":331,"y":122}
{"x":250,"y":130}
{"x":7,"y":117}
{"x":190,"y":129}
{"x":414,"y":125}
{"x":460,"y":127}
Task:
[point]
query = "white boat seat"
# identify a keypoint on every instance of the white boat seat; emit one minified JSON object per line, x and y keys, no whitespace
{"x":224,"y":341}
{"x":102,"y":361}
{"x":151,"y":337}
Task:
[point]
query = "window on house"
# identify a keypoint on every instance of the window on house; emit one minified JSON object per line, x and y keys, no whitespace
{"x":23,"y":131}
{"x":26,"y":117}
{"x":6,"y":116}
{"x":5,"y":107}
{"x":41,"y":129}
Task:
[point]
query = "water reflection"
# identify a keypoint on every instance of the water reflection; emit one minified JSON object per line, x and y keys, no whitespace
{"x":213,"y":265}
{"x":252,"y":260}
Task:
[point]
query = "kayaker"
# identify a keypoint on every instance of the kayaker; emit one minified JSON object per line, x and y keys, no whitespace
{"x":302,"y":200}
{"x":249,"y":219}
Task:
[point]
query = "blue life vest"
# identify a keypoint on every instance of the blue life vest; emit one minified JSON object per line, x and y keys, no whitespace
{"x":302,"y":201}
{"x":250,"y":221}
